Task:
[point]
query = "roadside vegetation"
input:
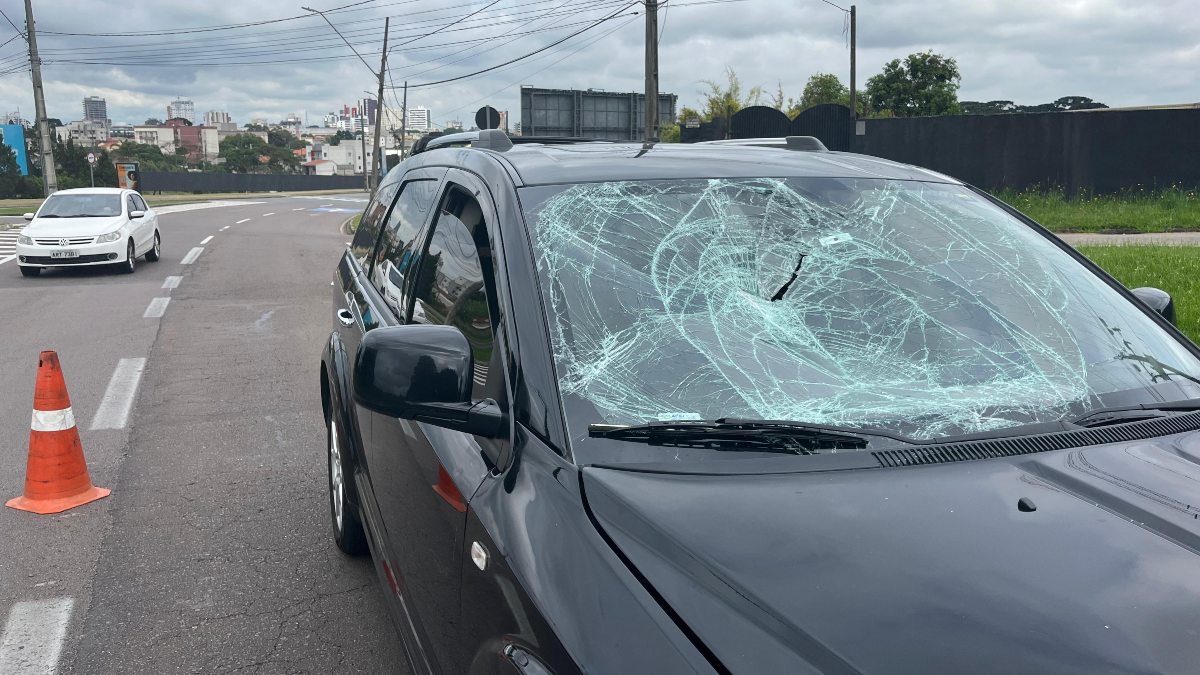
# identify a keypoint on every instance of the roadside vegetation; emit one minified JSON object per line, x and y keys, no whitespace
{"x":1171,"y":268}
{"x":1129,"y":212}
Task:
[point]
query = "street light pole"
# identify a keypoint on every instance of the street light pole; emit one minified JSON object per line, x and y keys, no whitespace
{"x":651,"y":135}
{"x":853,"y":62}
{"x":49,"y":178}
{"x":379,"y":109}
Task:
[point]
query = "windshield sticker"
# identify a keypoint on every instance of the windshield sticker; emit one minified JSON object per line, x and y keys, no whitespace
{"x":886,"y":307}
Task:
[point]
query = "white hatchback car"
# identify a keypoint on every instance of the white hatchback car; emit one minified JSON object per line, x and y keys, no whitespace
{"x":89,"y":226}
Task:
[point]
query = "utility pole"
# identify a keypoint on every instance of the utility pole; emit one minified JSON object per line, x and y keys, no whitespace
{"x":404,"y":121}
{"x":651,"y":71}
{"x":853,"y":62}
{"x":379,"y":109}
{"x":49,"y":179}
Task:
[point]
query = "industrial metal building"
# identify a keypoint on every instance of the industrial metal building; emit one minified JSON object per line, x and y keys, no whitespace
{"x":589,"y":113}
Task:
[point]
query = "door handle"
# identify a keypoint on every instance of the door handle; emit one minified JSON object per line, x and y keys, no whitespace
{"x":345,"y":317}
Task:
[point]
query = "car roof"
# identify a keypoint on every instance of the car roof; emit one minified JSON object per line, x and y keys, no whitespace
{"x":92,"y":191}
{"x":583,"y":162}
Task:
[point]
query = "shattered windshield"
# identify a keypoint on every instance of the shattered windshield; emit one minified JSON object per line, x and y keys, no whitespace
{"x":919,"y":308}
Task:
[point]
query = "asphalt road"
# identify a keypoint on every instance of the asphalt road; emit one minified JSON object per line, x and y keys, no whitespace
{"x":213,"y":553}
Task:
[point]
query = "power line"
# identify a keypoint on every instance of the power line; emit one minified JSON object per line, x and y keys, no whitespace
{"x":360,"y":58}
{"x":837,"y":6}
{"x":456,"y":21}
{"x":10,"y":22}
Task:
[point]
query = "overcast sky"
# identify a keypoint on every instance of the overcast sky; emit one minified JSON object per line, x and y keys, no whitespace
{"x":1120,"y":52}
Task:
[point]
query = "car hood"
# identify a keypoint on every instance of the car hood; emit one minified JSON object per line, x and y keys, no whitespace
{"x":71,"y":227}
{"x":927,"y":569}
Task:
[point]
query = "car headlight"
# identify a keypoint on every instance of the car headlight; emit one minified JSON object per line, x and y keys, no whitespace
{"x":24,"y":241}
{"x":111,"y":236}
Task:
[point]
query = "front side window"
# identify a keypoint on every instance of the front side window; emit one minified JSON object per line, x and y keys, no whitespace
{"x":918,"y":308}
{"x":397,"y":242}
{"x":81,"y":206}
{"x":450,"y":286}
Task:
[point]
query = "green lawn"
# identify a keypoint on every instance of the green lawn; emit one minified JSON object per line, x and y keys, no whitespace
{"x":1170,"y":210}
{"x":1174,"y":269}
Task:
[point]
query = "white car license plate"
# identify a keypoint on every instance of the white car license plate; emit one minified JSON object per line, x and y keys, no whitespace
{"x":64,"y":253}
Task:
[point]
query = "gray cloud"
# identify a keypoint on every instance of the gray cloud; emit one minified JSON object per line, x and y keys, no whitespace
{"x":1121,"y":52}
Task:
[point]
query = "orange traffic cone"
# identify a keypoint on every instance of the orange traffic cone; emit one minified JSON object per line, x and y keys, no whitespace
{"x":56,"y":477}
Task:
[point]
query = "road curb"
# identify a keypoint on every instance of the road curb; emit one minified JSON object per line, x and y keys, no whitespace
{"x":346,"y":223}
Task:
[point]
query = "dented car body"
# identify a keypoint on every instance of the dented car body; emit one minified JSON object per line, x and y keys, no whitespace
{"x":621,"y":408}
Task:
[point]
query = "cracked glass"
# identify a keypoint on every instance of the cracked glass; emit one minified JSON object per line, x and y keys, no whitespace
{"x":919,"y":308}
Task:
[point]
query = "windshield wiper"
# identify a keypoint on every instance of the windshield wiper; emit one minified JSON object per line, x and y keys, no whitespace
{"x":50,"y":215}
{"x":1132,"y":413}
{"x":795,"y":438}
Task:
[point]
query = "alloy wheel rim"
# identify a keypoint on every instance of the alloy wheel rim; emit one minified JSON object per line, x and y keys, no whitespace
{"x":129,"y":250}
{"x":157,"y":246}
{"x":336,"y":481}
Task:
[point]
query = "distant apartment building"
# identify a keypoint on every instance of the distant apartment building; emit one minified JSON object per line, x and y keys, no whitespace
{"x":84,"y":132}
{"x":293,"y":123}
{"x":419,"y":118}
{"x":182,"y":109}
{"x":120,"y":131}
{"x":203,"y":143}
{"x":220,"y":120}
{"x":95,"y":109}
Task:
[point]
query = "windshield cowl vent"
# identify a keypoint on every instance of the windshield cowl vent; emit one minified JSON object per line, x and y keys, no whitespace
{"x":1010,"y":447}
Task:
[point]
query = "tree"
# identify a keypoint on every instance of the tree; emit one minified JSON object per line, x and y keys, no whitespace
{"x":153,"y":122}
{"x":725,"y":99}
{"x":256,"y":127}
{"x":925,"y":83}
{"x":1077,"y":103}
{"x":247,"y":153}
{"x":824,"y":88}
{"x":150,"y":157}
{"x":341,"y":135}
{"x":988,"y":108}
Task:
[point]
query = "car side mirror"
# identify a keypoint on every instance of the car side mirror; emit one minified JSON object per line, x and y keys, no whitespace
{"x":137,"y":214}
{"x":28,"y":216}
{"x":1158,"y":300}
{"x":423,"y":373}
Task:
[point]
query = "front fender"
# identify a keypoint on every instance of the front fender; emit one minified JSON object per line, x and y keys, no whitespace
{"x":337,"y":399}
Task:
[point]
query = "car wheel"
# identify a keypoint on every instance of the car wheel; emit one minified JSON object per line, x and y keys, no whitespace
{"x":347,"y":528}
{"x":129,"y":265}
{"x":30,"y":271}
{"x":155,"y":251}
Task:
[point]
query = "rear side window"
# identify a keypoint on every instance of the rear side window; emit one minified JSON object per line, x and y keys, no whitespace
{"x":397,"y":242}
{"x":370,"y":224}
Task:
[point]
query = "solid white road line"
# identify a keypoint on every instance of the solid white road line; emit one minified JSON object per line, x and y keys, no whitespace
{"x":224,"y":228}
{"x":114,"y":408}
{"x":7,"y":258}
{"x":268,"y":214}
{"x":172,"y":282}
{"x":206,"y":240}
{"x":192,"y":255}
{"x":33,"y":636}
{"x":243,"y":220}
{"x":156,"y":308}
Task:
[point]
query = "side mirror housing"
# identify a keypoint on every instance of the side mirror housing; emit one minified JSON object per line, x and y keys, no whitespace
{"x":1158,"y":300}
{"x":137,"y":214}
{"x":28,"y":216}
{"x":423,"y":373}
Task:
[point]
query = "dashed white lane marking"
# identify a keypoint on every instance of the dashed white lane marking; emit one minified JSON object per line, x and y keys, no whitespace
{"x":268,"y":214}
{"x":192,"y":255}
{"x":224,"y":228}
{"x":243,"y":220}
{"x":156,"y":308}
{"x":114,"y":408}
{"x":206,"y":240}
{"x":7,"y":258}
{"x":33,"y":636}
{"x":172,"y":282}
{"x":300,"y":209}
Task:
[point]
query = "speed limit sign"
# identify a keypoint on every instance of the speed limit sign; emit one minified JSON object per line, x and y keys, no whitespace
{"x":91,"y":158}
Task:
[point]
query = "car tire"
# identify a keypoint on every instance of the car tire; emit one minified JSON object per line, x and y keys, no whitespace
{"x":348,"y":531}
{"x":30,"y":271}
{"x":130,"y":263}
{"x":155,"y":251}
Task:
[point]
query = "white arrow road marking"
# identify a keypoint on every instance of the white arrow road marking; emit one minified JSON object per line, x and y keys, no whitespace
{"x":114,"y":408}
{"x":33,"y":636}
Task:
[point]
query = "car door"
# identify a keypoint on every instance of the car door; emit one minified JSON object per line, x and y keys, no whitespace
{"x":137,"y":226}
{"x":151,"y":218}
{"x":424,"y":475}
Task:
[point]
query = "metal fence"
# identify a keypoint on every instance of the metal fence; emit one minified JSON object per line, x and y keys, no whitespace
{"x":167,"y":181}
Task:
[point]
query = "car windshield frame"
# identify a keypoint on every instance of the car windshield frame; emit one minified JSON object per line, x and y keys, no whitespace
{"x":590,"y":397}
{"x":82,"y":205}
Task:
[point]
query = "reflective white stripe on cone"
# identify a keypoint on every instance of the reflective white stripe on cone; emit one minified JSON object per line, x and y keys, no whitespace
{"x":52,"y":420}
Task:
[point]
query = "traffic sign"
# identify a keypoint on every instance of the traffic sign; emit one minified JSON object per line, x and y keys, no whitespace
{"x":91,"y":158}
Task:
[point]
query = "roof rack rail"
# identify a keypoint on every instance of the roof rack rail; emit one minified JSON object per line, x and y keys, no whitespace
{"x":806,"y":143}
{"x":490,"y":139}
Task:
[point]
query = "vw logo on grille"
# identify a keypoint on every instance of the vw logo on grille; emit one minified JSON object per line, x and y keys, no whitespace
{"x":63,"y":242}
